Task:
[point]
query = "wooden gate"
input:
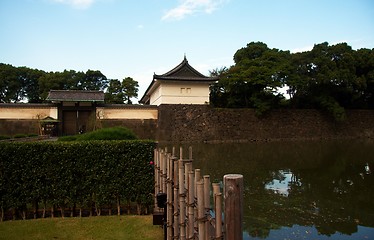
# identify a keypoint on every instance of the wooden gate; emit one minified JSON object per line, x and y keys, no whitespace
{"x":74,"y":121}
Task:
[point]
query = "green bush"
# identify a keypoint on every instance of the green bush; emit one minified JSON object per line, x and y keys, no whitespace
{"x":32,"y":135}
{"x":115,"y":133}
{"x":67,"y":138}
{"x":20,"y":135}
{"x":3,"y":137}
{"x":81,"y":173}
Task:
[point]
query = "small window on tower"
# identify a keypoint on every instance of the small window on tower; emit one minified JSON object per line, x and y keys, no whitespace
{"x":188,"y":90}
{"x":183,"y":90}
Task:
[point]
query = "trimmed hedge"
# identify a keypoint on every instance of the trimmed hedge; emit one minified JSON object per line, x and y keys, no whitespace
{"x":69,"y":174}
{"x":114,"y":133}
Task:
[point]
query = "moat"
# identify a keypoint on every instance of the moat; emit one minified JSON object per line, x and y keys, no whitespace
{"x":299,"y":189}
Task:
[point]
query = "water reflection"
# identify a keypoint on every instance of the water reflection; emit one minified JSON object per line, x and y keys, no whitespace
{"x":323,"y":187}
{"x":283,"y":181}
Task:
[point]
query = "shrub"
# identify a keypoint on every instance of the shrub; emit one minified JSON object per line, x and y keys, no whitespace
{"x":20,"y":135}
{"x":115,"y":133}
{"x":67,"y":138}
{"x":3,"y":137}
{"x":82,"y":173}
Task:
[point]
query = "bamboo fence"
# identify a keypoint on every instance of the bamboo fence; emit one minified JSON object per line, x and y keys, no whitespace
{"x":189,"y":211}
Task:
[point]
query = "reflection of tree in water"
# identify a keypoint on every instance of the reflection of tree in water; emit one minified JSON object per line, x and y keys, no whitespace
{"x":338,"y":206}
{"x":329,"y":188}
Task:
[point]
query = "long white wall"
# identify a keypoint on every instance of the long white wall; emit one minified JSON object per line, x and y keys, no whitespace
{"x":126,"y":112}
{"x":27,"y":111}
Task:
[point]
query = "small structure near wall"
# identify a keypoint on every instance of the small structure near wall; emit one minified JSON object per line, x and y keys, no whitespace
{"x":181,"y":85}
{"x":75,"y":109}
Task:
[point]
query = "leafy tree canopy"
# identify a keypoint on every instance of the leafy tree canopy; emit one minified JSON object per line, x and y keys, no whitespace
{"x":121,"y":92}
{"x":24,"y":84}
{"x":329,"y":77}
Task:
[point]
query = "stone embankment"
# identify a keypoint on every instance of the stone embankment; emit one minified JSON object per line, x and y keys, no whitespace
{"x":202,"y":123}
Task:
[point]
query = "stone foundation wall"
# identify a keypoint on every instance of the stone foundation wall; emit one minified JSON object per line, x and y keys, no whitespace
{"x":11,"y":127}
{"x":202,"y":123}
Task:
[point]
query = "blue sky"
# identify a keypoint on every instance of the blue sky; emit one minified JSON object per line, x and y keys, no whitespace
{"x":135,"y":38}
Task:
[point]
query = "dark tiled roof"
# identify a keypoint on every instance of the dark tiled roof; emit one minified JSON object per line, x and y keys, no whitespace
{"x":76,"y":95}
{"x":184,"y":72}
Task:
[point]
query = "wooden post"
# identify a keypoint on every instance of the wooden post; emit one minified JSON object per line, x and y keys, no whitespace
{"x":157,"y":184}
{"x":218,"y":212}
{"x":197,"y":179}
{"x":191,"y":200}
{"x":182,"y":202}
{"x":169,"y":197}
{"x":160,"y":160}
{"x":175,"y":198}
{"x":164,"y":173}
{"x":200,"y":209}
{"x":216,"y":190}
{"x":187,"y":169}
{"x":233,"y":190}
{"x":207,"y":204}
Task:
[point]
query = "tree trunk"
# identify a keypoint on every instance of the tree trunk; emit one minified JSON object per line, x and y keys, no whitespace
{"x":80,"y":212}
{"x":52,"y":211}
{"x":2,"y":213}
{"x":118,"y":206}
{"x":97,"y":209}
{"x":139,"y":208}
{"x":62,"y":209}
{"x":91,"y":209}
{"x":72,"y":213}
{"x":44,"y":208}
{"x":128,"y":207}
{"x":110,"y":210}
{"x":24,"y":212}
{"x":36,"y":207}
{"x":14,"y":211}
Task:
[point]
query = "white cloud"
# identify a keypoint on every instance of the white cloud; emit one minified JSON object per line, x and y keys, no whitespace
{"x":189,"y":7}
{"x":80,"y":4}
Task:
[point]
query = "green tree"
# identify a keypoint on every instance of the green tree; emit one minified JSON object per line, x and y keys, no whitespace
{"x":94,"y":80}
{"x":130,"y":89}
{"x":9,"y":84}
{"x":121,"y":92}
{"x":30,"y":78}
{"x":253,"y":80}
{"x":364,"y":64}
{"x":326,"y":79}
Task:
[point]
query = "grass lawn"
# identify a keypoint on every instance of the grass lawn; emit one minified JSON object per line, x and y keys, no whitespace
{"x":103,"y":227}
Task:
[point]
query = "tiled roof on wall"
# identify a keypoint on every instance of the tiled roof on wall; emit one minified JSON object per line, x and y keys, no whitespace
{"x":76,"y":95}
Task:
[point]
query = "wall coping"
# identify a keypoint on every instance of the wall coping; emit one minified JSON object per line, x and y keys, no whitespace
{"x":27,"y":105}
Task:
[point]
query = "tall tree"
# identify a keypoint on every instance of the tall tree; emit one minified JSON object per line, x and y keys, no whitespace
{"x":121,"y":92}
{"x":94,"y":80}
{"x":253,"y":80}
{"x":130,"y":89}
{"x":326,"y":79}
{"x":10,"y":87}
{"x":114,"y":93}
{"x":364,"y":64}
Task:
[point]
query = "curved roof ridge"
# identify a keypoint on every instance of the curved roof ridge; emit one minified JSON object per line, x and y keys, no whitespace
{"x":183,"y":69}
